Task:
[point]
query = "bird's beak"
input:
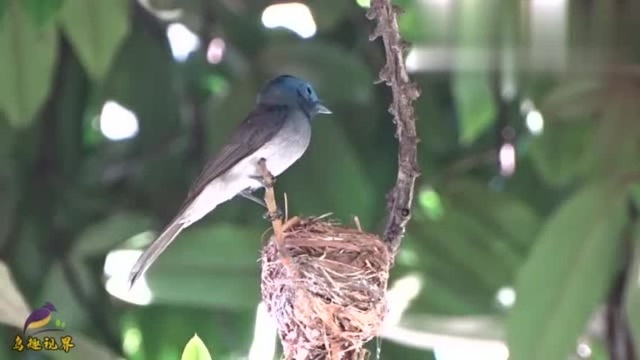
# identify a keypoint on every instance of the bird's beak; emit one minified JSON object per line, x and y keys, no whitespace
{"x":321,"y":109}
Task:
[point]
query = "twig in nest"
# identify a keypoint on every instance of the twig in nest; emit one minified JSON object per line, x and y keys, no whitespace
{"x":357,"y":221}
{"x":405,"y":92}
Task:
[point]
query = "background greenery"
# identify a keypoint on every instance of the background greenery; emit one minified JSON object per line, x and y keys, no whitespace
{"x":560,"y":230}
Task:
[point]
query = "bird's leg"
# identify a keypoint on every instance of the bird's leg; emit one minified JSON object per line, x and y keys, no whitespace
{"x":263,"y":182}
{"x":247,"y":194}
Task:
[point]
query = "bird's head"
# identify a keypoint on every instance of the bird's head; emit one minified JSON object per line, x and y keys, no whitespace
{"x":49,"y":306}
{"x":292,"y":91}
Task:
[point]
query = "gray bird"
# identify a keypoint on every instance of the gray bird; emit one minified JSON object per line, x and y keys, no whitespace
{"x":277,"y":130}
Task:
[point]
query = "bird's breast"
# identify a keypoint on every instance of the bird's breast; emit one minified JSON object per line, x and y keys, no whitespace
{"x":289,"y":144}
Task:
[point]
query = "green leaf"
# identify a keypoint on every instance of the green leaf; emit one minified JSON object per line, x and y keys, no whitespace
{"x":473,"y":95}
{"x":195,"y":350}
{"x":4,"y":5}
{"x":13,"y":307}
{"x":562,"y":153}
{"x":507,"y":215}
{"x":27,"y":68}
{"x":475,"y":103}
{"x":109,"y":233}
{"x":42,"y":11}
{"x":96,"y":30}
{"x":567,"y":274}
{"x":575,"y":99}
{"x":205,"y":259}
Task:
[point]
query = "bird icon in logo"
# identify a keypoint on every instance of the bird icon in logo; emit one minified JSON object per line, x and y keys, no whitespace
{"x":39,"y":317}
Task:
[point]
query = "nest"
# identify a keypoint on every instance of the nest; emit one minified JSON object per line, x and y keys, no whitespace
{"x":328,"y":297}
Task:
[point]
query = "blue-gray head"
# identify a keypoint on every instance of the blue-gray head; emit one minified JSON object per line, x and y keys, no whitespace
{"x":292,"y":91}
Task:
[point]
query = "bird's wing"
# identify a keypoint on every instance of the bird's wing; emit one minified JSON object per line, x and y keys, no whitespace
{"x":258,"y":128}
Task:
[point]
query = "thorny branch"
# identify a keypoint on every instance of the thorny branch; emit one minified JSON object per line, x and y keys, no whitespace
{"x":405,"y":92}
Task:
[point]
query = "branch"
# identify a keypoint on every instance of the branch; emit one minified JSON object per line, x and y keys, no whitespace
{"x":278,"y":226}
{"x":619,"y":338}
{"x":405,"y":92}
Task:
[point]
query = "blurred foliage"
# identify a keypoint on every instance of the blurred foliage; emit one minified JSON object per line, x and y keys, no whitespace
{"x":555,"y":230}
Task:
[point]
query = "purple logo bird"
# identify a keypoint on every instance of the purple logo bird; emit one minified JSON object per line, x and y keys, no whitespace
{"x":39,"y":317}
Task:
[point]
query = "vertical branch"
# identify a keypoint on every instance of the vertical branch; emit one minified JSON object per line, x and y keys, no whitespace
{"x":276,"y":223}
{"x":270,"y":200}
{"x":618,"y":337}
{"x":405,"y":92}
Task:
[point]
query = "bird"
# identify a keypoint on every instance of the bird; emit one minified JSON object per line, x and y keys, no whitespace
{"x":277,"y":130}
{"x":39,"y":317}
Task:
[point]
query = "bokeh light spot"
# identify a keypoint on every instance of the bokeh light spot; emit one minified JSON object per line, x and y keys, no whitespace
{"x":430,"y":201}
{"x":117,"y":122}
{"x":182,"y":41}
{"x":294,"y":16}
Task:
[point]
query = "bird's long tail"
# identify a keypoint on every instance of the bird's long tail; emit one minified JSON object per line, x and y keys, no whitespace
{"x":154,"y":250}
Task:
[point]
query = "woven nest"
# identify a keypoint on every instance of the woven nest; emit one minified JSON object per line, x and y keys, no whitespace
{"x":328,"y":300}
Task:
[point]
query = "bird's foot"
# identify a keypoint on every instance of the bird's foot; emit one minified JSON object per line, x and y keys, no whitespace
{"x":267,"y":183}
{"x":278,"y":215}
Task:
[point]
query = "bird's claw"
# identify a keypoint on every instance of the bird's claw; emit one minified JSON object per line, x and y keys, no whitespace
{"x":266,"y":184}
{"x":273,"y":216}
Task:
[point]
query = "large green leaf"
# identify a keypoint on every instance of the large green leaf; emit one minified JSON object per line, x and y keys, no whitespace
{"x":475,"y":247}
{"x":507,"y":215}
{"x":567,"y":274}
{"x":473,"y":95}
{"x":211,"y":265}
{"x":471,"y":248}
{"x":42,"y":11}
{"x":109,"y":233}
{"x":4,"y":5}
{"x":574,"y":99}
{"x":561,"y":153}
{"x":26,"y":65}
{"x":476,"y":105}
{"x":96,"y":30}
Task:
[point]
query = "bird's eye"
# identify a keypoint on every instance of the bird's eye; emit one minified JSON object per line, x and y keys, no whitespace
{"x":309,"y":90}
